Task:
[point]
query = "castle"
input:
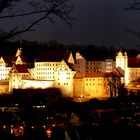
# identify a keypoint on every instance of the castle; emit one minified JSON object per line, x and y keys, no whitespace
{"x":77,"y":78}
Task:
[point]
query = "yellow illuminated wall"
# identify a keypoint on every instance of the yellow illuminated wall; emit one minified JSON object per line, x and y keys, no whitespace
{"x":134,"y":73}
{"x":64,"y":78}
{"x":95,"y":87}
{"x":78,"y":87}
{"x":44,"y":70}
{"x":91,"y":87}
{"x":62,"y":75}
{"x":4,"y":70}
{"x":44,"y":75}
{"x":42,"y":84}
{"x":122,"y":62}
{"x":4,"y":86}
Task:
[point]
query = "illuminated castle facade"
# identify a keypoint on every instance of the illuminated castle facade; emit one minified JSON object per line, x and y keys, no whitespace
{"x":76,"y":78}
{"x":131,"y":68}
{"x":16,"y":75}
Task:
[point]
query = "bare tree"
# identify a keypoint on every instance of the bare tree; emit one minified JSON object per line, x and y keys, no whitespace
{"x":114,"y":82}
{"x":35,"y":11}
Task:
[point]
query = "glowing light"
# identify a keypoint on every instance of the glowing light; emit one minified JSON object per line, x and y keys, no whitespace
{"x":17,"y":130}
{"x":4,"y":126}
{"x":48,"y":132}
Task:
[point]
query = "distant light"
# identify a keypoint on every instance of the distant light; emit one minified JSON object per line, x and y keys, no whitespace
{"x":49,"y":132}
{"x":4,"y":126}
{"x":44,"y":126}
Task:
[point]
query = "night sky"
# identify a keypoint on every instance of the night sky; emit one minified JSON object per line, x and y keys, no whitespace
{"x":98,"y":22}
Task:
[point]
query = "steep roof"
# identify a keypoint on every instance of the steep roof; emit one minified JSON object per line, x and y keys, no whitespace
{"x":92,"y":74}
{"x":8,"y":60}
{"x":97,"y":74}
{"x":118,"y":71}
{"x":134,"y":62}
{"x":22,"y":68}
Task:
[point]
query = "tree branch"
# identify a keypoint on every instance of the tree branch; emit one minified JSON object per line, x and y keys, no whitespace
{"x":133,"y":6}
{"x":42,"y":11}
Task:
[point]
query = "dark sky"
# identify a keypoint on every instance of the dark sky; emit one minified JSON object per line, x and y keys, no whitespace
{"x":99,"y":22}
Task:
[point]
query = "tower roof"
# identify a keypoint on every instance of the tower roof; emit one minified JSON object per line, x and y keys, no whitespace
{"x":19,"y":52}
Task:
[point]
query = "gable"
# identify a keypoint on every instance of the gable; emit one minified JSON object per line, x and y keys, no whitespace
{"x":13,"y":69}
{"x":19,"y":61}
{"x":63,"y":66}
{"x":71,"y":59}
{"x":2,"y":61}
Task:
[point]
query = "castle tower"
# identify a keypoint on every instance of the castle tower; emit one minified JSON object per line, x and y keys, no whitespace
{"x":122,"y":62}
{"x":80,"y":64}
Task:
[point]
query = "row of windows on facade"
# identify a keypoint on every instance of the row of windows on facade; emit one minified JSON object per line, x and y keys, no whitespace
{"x":1,"y":69}
{"x":94,"y":71}
{"x":96,"y":84}
{"x":45,"y":69}
{"x":50,"y":77}
{"x":93,"y":79}
{"x":2,"y":65}
{"x":99,"y":63}
{"x":131,"y":73}
{"x":23,"y":75}
{"x":42,"y":73}
{"x":27,"y":75}
{"x":63,"y":83}
{"x":46,"y":64}
{"x":45,"y":77}
{"x":4,"y":74}
{"x":94,"y":68}
{"x":97,"y":67}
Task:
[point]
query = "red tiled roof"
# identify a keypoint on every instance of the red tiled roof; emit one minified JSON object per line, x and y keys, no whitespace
{"x":93,"y":74}
{"x":15,"y":58}
{"x":78,"y":76}
{"x":7,"y":60}
{"x":97,"y":74}
{"x":10,"y":60}
{"x":118,"y":71}
{"x":133,"y":62}
{"x":22,"y":68}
